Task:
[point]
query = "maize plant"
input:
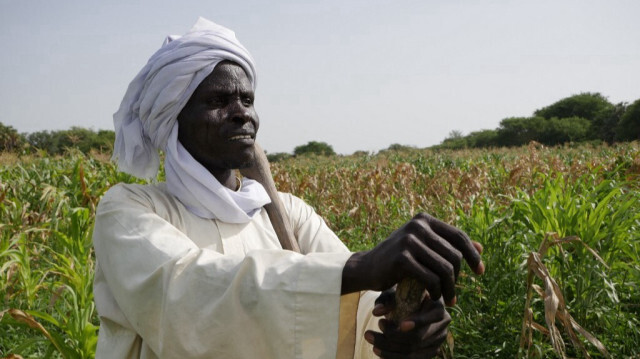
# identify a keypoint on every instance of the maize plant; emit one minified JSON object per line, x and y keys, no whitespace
{"x":507,"y":199}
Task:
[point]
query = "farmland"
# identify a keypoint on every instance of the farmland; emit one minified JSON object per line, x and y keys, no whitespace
{"x":509,"y":200}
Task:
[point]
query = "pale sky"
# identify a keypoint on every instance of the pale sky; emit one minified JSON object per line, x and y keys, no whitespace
{"x":359,"y":75}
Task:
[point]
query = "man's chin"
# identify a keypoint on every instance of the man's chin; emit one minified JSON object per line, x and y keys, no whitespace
{"x":245,"y":162}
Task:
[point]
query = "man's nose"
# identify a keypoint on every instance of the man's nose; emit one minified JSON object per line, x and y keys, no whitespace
{"x":240,"y":112}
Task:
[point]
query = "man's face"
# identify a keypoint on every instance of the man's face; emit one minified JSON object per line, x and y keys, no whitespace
{"x":218,"y":125}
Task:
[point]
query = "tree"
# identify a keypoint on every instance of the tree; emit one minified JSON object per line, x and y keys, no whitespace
{"x":103,"y":140}
{"x":483,"y":138}
{"x":314,"y":147}
{"x":454,"y":141}
{"x":605,"y":125}
{"x":560,"y":130}
{"x":586,"y":105}
{"x":518,"y":131}
{"x":628,"y":128}
{"x":454,"y":135}
{"x":43,"y":140}
{"x":10,"y":139}
{"x":278,"y":156}
{"x":591,"y":106}
{"x":396,"y":147}
{"x":84,"y":139}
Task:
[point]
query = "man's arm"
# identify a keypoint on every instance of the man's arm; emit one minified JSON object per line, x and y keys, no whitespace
{"x":180,"y":298}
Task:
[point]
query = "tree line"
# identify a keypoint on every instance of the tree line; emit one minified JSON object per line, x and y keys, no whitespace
{"x":56,"y":142}
{"x":578,"y":118}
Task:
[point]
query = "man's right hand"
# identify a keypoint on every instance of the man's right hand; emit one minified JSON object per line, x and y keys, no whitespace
{"x":424,"y":248}
{"x":420,"y":336}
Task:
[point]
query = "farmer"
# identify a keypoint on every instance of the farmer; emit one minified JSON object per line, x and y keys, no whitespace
{"x":192,"y":268}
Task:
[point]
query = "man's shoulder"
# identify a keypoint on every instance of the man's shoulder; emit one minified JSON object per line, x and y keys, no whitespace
{"x":145,"y":194}
{"x":298,"y":209}
{"x":120,"y":189}
{"x":291,"y":201}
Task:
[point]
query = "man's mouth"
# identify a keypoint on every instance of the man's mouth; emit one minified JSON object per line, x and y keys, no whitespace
{"x":240,"y":137}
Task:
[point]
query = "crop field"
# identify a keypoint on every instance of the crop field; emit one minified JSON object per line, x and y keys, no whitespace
{"x":560,"y":229}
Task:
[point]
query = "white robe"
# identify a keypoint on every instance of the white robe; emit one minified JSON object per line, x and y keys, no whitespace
{"x":170,"y":284}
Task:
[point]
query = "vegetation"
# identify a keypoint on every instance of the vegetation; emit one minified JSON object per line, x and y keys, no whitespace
{"x":629,"y":127}
{"x":10,"y":139}
{"x":510,"y":200}
{"x":314,"y":148}
{"x":56,"y":142}
{"x":578,"y":118}
{"x":277,"y":156}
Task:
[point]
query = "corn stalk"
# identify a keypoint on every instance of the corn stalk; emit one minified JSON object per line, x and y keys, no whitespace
{"x":555,"y":309}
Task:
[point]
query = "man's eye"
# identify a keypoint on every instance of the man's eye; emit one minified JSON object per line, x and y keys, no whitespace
{"x":216,"y":101}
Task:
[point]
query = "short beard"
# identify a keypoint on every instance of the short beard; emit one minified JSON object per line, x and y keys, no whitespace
{"x":246,"y":163}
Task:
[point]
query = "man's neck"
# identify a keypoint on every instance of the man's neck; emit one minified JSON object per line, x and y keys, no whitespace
{"x":227,"y":178}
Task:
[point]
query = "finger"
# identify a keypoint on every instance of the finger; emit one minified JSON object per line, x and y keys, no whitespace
{"x":435,"y":333}
{"x":432,"y":311}
{"x":425,"y":275}
{"x":393,"y":339}
{"x":480,"y":249}
{"x":459,"y":240}
{"x":478,"y":246}
{"x":385,"y":303}
{"x":418,"y":354}
{"x":380,"y":310}
{"x":385,"y":343}
{"x":434,"y":241}
{"x":387,"y":298}
{"x":437,"y":265}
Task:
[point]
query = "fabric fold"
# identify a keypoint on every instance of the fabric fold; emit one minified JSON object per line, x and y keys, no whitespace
{"x":203,"y":194}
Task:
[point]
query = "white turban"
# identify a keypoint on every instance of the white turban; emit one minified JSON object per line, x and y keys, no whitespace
{"x":147,"y":122}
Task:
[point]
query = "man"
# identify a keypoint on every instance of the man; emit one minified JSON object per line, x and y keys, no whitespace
{"x":192,"y":268}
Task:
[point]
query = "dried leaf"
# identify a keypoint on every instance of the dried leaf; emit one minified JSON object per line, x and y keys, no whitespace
{"x":554,"y":303}
{"x":13,"y":356}
{"x":450,"y":343}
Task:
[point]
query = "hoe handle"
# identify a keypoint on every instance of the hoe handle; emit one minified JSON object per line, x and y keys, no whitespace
{"x":409,"y":295}
{"x":261,"y":173}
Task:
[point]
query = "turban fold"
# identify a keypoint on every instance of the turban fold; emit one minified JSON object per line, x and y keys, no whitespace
{"x":146,"y":122}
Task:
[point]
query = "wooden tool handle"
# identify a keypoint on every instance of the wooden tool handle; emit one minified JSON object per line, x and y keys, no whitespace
{"x":261,"y":173}
{"x":409,"y":295}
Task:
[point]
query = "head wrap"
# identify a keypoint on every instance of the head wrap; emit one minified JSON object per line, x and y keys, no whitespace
{"x":147,"y":122}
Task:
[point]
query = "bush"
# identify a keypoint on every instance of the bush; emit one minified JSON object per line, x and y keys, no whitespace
{"x":557,"y":131}
{"x":517,"y":131}
{"x":57,"y":142}
{"x":483,"y":139}
{"x":629,"y":127}
{"x":314,"y":147}
{"x":10,"y":139}
{"x":278,"y":156}
{"x":586,"y":105}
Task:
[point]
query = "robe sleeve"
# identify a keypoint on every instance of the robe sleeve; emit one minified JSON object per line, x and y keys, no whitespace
{"x":186,"y":301}
{"x":309,"y":228}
